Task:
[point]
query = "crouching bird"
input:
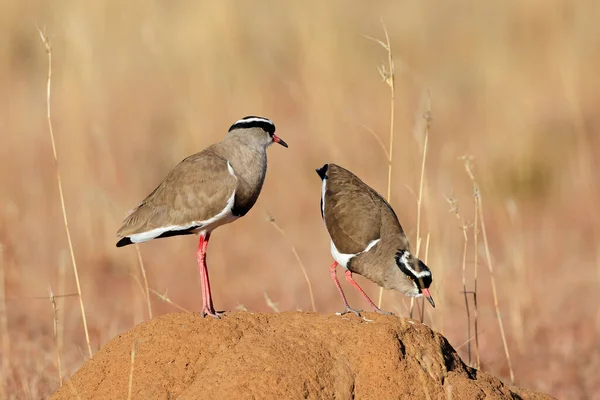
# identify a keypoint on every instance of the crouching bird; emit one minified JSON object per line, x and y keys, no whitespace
{"x":367,"y":238}
{"x":204,"y":191}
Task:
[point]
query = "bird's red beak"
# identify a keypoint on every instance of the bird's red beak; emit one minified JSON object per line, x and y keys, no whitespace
{"x":427,"y":295}
{"x":277,"y":139}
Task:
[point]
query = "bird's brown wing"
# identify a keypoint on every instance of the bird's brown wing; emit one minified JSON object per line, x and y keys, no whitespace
{"x":353,"y":211}
{"x":196,"y":190}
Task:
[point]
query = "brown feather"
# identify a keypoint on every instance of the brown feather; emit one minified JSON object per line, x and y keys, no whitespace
{"x":355,"y":214}
{"x":197,"y":189}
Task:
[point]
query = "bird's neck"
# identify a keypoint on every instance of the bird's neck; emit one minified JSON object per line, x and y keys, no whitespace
{"x":248,"y":159}
{"x":249,"y":162}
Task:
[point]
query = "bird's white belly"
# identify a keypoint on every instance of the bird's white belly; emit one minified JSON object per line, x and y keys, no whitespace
{"x":344,"y":259}
{"x":225,"y":219}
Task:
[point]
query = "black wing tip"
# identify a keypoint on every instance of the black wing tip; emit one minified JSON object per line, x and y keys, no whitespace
{"x":124,"y":242}
{"x":323,"y":171}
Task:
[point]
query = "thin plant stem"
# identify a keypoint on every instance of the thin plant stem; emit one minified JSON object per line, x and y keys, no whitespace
{"x":426,"y":259}
{"x":56,"y":296}
{"x":56,"y":340}
{"x":465,"y":228}
{"x":146,"y":290}
{"x":130,"y":388}
{"x":166,"y":299}
{"x":465,"y":343}
{"x":270,"y":303}
{"x":379,"y":141}
{"x":46,"y":43}
{"x":138,"y":315}
{"x":3,"y":331}
{"x":494,"y":290}
{"x":467,"y":162}
{"x":479,"y":201}
{"x":464,"y":284}
{"x":389,"y":77}
{"x":475,"y":276}
{"x":298,"y":260}
{"x":427,"y":117}
{"x":63,"y":260}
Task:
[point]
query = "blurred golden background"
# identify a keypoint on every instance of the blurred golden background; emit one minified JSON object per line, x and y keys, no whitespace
{"x":139,"y":85}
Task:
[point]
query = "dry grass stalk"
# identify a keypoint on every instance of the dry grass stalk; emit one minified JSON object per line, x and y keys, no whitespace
{"x":422,"y":307}
{"x":3,"y":331}
{"x":475,"y":274}
{"x":56,"y":296}
{"x":138,"y":308}
{"x":466,"y":342}
{"x":131,"y":370}
{"x":467,"y":162}
{"x":479,"y":203}
{"x":465,"y":228}
{"x":46,"y":43}
{"x":146,"y":289}
{"x":428,"y":119}
{"x":464,"y":283}
{"x":300,"y":263}
{"x":56,"y":340}
{"x":411,"y":308}
{"x":388,"y":75}
{"x":270,"y":303}
{"x":166,"y":299}
{"x":379,"y":141}
{"x":60,"y":303}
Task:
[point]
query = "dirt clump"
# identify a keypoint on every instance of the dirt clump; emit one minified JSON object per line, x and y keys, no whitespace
{"x":282,"y":356}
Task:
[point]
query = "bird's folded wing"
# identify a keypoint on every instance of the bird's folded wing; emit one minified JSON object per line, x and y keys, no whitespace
{"x":352,"y":215}
{"x":197,"y":189}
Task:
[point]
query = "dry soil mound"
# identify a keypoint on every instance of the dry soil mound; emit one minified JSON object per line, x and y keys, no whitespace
{"x":282,"y":356}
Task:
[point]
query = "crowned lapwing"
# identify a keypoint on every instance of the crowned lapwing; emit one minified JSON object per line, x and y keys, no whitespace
{"x":204,"y":191}
{"x":367,"y":238}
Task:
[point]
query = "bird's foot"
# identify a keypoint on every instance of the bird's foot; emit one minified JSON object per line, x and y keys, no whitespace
{"x":380,"y":311}
{"x":351,"y":310}
{"x":215,"y":314}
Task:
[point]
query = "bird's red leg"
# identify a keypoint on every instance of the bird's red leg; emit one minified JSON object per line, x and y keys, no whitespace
{"x":353,"y":282}
{"x":333,"y":275}
{"x":207,"y":304}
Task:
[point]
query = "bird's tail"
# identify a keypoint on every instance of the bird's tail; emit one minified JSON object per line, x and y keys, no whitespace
{"x":323,"y":171}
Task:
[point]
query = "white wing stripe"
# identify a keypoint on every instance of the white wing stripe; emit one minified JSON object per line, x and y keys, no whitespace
{"x":344,"y":259}
{"x":323,"y":190}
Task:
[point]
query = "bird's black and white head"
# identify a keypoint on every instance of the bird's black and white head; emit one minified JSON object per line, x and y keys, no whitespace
{"x":417,"y":272}
{"x":258,"y":129}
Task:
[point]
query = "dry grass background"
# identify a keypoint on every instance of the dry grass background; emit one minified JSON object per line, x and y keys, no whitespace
{"x":139,"y":85}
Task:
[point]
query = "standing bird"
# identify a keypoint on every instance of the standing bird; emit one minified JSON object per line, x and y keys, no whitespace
{"x":367,"y":238}
{"x":204,"y":191}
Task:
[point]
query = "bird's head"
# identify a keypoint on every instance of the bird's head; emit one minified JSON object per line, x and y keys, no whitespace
{"x":259,"y":130}
{"x":417,"y":272}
